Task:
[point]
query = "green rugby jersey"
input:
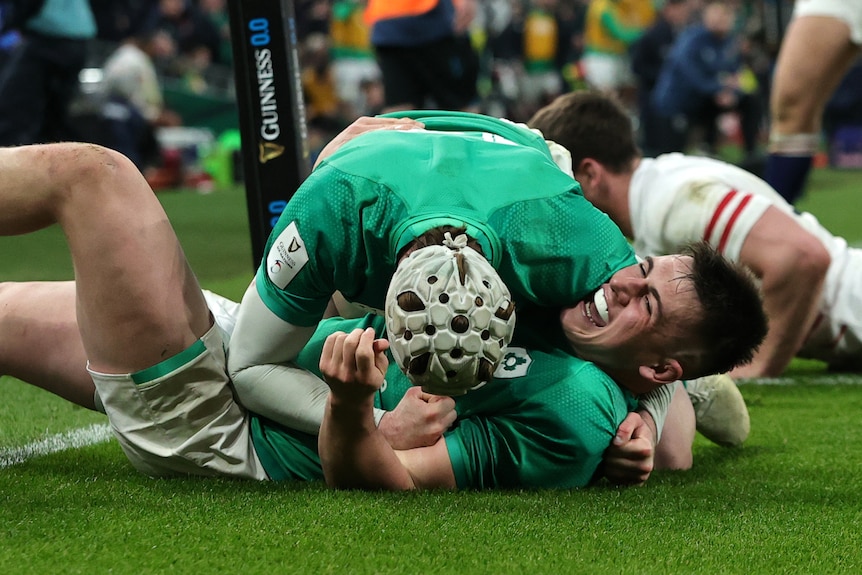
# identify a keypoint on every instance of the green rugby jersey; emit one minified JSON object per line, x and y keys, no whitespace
{"x":543,"y":422}
{"x":346,"y":222}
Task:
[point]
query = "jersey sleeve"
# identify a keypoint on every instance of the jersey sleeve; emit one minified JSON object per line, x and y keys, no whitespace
{"x":556,"y":440}
{"x":314,"y":248}
{"x":712,"y":211}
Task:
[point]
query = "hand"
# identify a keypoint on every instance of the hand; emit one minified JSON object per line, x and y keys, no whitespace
{"x":418,"y":420}
{"x":363,"y":125}
{"x":354,"y":365}
{"x":630,"y":458}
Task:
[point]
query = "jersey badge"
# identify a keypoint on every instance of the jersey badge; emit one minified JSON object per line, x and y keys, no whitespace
{"x":516,"y":363}
{"x":286,"y":256}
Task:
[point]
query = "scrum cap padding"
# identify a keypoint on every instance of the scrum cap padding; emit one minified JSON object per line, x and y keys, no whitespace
{"x":449,"y":317}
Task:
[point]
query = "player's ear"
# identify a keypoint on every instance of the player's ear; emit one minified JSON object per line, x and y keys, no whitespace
{"x":665,"y":371}
{"x":590,"y":174}
{"x":585,"y":170}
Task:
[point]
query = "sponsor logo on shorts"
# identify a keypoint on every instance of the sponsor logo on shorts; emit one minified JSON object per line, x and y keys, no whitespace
{"x":286,"y":256}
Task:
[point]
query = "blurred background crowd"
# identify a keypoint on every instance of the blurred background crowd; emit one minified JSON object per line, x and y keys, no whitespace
{"x":149,"y":76}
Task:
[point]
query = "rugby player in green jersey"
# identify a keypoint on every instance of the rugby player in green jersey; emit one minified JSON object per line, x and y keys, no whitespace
{"x":548,"y":416}
{"x":365,"y":203}
{"x":158,"y":360}
{"x":374,"y":195}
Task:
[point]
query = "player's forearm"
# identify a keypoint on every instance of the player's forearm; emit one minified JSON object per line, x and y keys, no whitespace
{"x":261,"y":347}
{"x":792,"y":265}
{"x":288,"y":395}
{"x":354,"y":454}
{"x":790,"y":319}
{"x":791,"y":303}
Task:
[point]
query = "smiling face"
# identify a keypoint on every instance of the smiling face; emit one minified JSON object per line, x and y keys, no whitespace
{"x":641,"y":318}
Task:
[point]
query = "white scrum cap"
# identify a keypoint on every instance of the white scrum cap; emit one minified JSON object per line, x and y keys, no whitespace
{"x":449,"y":317}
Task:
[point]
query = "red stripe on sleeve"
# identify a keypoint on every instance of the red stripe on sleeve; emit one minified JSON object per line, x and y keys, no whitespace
{"x":717,"y":214}
{"x":723,"y":242}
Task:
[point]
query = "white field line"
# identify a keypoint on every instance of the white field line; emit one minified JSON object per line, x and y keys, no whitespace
{"x":74,"y":439}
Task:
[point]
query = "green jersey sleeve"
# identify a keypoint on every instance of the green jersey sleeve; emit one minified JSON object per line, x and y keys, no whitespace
{"x":544,"y":421}
{"x":325,"y":241}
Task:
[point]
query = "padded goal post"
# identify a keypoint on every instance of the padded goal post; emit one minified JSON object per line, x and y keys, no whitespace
{"x":275,"y":154}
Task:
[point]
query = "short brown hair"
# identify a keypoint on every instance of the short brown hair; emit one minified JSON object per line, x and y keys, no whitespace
{"x":589,"y":125}
{"x":734,"y":323}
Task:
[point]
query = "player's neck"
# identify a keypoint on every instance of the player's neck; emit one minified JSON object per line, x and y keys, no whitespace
{"x":615,"y":201}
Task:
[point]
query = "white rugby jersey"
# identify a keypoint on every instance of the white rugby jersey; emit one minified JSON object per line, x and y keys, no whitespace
{"x":676,"y":199}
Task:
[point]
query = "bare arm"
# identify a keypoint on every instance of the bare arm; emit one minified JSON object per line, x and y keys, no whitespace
{"x":792,"y":266}
{"x":354,"y":454}
{"x":419,"y":419}
{"x":362,"y":125}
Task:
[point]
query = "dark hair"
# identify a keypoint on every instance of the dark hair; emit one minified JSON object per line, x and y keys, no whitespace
{"x":589,"y":125}
{"x":734,"y":323}
{"x":434,"y":237}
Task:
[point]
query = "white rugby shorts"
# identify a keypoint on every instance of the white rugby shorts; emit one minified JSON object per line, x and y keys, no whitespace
{"x":180,"y":417}
{"x":849,"y":11}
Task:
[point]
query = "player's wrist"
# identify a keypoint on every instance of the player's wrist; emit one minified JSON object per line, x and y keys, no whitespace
{"x":350,"y":416}
{"x":650,"y":423}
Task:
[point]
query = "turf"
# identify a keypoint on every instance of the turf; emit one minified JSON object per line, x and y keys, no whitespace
{"x":788,"y":501}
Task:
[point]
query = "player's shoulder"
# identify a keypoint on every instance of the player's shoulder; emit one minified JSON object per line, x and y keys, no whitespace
{"x":543,"y":369}
{"x":587,"y":372}
{"x":667,"y":174}
{"x":566,"y":396}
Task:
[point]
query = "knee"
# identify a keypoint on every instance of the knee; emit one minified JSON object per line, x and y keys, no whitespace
{"x":86,"y":163}
{"x":81,"y":173}
{"x":794,"y":111}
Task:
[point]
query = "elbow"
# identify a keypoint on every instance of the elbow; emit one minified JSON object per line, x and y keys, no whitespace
{"x":812,"y":262}
{"x":239,"y":376}
{"x":234,"y":370}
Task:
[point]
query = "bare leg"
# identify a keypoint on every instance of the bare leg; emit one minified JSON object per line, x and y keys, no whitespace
{"x":816,"y":53}
{"x":138,"y":302}
{"x":674,"y":449}
{"x":40,"y":342}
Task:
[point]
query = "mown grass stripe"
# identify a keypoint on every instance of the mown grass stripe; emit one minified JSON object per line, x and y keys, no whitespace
{"x":74,"y":439}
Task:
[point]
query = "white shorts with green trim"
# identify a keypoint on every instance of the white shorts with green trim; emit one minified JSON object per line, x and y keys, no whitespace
{"x":180,"y":417}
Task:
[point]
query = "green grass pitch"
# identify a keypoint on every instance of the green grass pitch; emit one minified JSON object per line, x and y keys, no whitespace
{"x":788,"y":501}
